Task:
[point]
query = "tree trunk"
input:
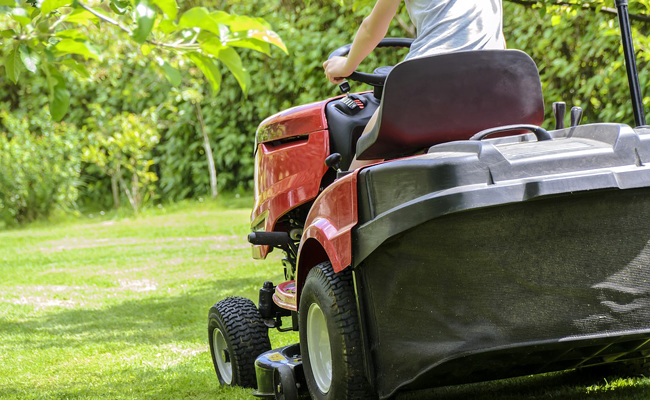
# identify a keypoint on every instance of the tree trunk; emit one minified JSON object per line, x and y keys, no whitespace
{"x":208,"y":152}
{"x":116,"y":191}
{"x":137,"y":197}
{"x":129,"y":195}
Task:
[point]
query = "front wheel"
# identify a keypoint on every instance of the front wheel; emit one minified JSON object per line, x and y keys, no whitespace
{"x":237,"y":335}
{"x":330,"y":337}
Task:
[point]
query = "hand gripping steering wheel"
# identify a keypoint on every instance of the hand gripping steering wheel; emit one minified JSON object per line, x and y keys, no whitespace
{"x":372,"y":79}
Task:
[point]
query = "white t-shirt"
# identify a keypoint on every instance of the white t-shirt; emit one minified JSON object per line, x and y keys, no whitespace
{"x":455,"y":25}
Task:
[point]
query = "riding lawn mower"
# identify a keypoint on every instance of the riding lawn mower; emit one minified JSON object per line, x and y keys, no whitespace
{"x":483,"y":247}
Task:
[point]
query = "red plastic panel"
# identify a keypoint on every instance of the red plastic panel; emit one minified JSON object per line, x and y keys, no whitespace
{"x":295,"y":121}
{"x":286,"y":176}
{"x":331,"y":220}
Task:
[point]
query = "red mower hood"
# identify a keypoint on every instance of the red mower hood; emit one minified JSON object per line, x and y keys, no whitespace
{"x":295,"y":121}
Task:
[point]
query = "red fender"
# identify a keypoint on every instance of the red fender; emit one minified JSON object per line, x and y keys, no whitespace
{"x":330,"y":222}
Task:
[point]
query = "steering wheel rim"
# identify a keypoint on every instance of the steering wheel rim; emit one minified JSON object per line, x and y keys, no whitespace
{"x":371,"y":79}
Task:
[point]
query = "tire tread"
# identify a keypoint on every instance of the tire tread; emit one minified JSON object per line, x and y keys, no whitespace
{"x":246,"y":334}
{"x":340,"y":286}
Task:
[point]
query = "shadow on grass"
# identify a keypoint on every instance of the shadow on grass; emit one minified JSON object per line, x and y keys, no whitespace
{"x":153,"y":320}
{"x":143,"y":324}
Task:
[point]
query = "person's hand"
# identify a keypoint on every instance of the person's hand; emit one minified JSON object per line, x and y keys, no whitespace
{"x":336,"y":69}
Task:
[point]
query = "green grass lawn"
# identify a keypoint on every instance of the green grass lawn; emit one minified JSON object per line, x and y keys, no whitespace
{"x":103,"y":308}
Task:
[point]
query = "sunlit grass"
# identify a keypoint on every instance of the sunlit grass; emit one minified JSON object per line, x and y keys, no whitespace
{"x":102,"y":308}
{"x":113,"y":307}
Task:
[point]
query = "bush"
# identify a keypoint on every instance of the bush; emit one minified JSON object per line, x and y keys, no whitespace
{"x":39,"y":167}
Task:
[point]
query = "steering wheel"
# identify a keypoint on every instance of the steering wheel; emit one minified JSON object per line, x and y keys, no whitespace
{"x":375,"y":79}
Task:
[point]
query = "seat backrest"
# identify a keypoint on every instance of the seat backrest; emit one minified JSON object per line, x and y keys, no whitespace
{"x":452,"y":96}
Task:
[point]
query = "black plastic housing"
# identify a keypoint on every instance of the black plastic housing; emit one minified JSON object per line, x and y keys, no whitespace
{"x":458,"y":176}
{"x":266,"y":365}
{"x":266,"y":306}
{"x":505,"y":257}
{"x":345,"y":129}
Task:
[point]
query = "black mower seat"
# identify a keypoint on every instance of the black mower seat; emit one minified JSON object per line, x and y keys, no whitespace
{"x":452,"y":96}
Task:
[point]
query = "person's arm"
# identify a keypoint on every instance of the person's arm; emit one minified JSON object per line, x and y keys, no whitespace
{"x":372,"y":30}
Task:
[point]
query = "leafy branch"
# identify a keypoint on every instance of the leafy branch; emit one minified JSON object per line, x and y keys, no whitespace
{"x":107,"y":19}
{"x":52,"y":35}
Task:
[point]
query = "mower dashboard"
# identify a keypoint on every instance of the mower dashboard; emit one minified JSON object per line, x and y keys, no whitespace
{"x":346,"y":119}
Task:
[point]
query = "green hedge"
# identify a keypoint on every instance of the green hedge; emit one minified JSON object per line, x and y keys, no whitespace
{"x":578,"y":53}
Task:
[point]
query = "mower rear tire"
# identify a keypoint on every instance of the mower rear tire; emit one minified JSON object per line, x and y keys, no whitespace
{"x":237,"y":335}
{"x":330,"y":337}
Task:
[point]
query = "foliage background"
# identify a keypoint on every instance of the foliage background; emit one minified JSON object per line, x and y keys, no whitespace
{"x":577,"y":50}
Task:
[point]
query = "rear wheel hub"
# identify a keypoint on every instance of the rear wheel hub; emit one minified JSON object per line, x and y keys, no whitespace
{"x":320,"y":353}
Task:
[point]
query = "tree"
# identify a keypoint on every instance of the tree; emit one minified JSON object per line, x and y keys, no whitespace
{"x":120,"y":145}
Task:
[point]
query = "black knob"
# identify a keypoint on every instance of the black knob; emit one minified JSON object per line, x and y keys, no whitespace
{"x":345,"y":87}
{"x":576,"y":116}
{"x":559,"y":110}
{"x":333,"y":161}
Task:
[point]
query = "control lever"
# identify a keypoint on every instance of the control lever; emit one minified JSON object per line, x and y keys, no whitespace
{"x":274,"y":239}
{"x":280,"y":240}
{"x":559,"y":111}
{"x":576,"y":116}
{"x":334,"y":161}
{"x":345,"y":87}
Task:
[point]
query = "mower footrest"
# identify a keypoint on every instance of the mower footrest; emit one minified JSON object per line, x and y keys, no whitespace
{"x":285,"y":295}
